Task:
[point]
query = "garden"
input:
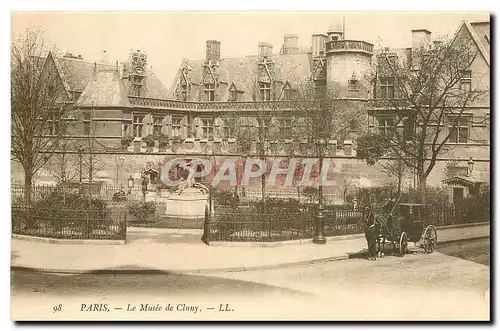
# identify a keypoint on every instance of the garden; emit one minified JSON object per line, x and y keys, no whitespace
{"x":273,"y":219}
{"x":67,"y":215}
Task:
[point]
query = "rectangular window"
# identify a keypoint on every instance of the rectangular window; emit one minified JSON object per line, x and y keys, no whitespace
{"x":208,"y":128}
{"x":233,"y":95}
{"x":386,"y":88}
{"x":265,"y":91}
{"x":138,"y":125}
{"x":465,"y":81}
{"x":285,"y":128}
{"x":386,"y":126}
{"x":184,"y":92}
{"x":86,"y":123}
{"x":209,"y":92}
{"x":157,"y":125}
{"x":459,"y":129}
{"x":52,"y":127}
{"x":288,"y":94}
{"x":176,"y":126}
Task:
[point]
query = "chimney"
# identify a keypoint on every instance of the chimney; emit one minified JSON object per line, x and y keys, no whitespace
{"x":318,"y":44}
{"x":290,"y":44}
{"x":420,"y":38}
{"x":265,"y":50}
{"x":104,"y":56}
{"x":213,"y":51}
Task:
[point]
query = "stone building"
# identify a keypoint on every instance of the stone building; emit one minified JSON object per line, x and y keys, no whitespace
{"x":126,"y":111}
{"x":470,"y":139}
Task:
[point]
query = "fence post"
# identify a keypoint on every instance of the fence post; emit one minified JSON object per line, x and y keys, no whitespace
{"x":124,"y":224}
{"x":206,"y":227}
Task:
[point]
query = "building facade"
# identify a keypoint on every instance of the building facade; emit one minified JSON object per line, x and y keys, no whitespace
{"x":126,"y":112}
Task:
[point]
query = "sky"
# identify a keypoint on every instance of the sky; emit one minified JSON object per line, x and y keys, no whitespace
{"x":168,"y":37}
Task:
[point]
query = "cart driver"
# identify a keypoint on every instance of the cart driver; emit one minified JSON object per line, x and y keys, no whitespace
{"x":387,"y":209}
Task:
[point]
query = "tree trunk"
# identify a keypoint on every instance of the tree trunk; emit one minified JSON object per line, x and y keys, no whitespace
{"x":400,"y":179}
{"x":28,"y":183}
{"x":422,"y":183}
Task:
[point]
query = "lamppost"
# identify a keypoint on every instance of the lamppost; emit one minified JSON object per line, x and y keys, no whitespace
{"x":130,"y":184}
{"x":119,"y":163}
{"x":80,"y":156}
{"x":319,"y":235}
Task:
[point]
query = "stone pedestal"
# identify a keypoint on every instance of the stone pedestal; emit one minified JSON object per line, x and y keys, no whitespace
{"x":188,"y":204}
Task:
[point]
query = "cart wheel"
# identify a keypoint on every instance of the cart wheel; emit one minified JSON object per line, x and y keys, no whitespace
{"x":403,"y":244}
{"x":430,"y":239}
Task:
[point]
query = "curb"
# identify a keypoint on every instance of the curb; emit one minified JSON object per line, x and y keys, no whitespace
{"x":282,"y":243}
{"x":186,"y":271}
{"x":69,"y":241}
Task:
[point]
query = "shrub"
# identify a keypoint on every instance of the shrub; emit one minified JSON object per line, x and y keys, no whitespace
{"x":224,"y":198}
{"x":126,"y":141}
{"x":142,"y":210}
{"x":119,"y":197}
{"x":60,"y":209}
{"x":163,"y":140}
{"x":149,"y":140}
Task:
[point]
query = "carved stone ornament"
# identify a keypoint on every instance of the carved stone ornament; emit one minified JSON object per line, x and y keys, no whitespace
{"x":139,"y":61}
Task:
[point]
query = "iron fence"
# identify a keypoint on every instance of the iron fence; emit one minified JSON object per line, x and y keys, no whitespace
{"x":248,"y":222}
{"x":105,"y":192}
{"x":66,"y":223}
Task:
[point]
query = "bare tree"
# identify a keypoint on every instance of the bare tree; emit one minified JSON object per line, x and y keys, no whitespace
{"x":39,"y":110}
{"x":63,"y":165}
{"x":429,"y":96}
{"x":395,"y":168}
{"x":322,"y":115}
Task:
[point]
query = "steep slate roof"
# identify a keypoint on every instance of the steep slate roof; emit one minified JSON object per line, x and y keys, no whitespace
{"x":105,"y":88}
{"x":477,"y":30}
{"x":482,"y":30}
{"x":152,"y":85}
{"x":479,"y":40}
{"x":77,"y":75}
{"x":242,"y":72}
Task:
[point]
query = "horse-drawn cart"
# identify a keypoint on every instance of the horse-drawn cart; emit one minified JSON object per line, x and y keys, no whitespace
{"x":406,"y":223}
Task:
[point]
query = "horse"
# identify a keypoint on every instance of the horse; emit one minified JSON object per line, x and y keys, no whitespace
{"x":377,"y":229}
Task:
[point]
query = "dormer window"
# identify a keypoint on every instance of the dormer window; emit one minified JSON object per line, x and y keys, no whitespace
{"x":265,"y":91}
{"x":184,"y":91}
{"x":209,"y":92}
{"x":288,"y":92}
{"x":234,"y":94}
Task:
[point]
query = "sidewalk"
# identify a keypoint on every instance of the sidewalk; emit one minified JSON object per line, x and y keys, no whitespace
{"x":143,"y":254}
{"x":157,"y":251}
